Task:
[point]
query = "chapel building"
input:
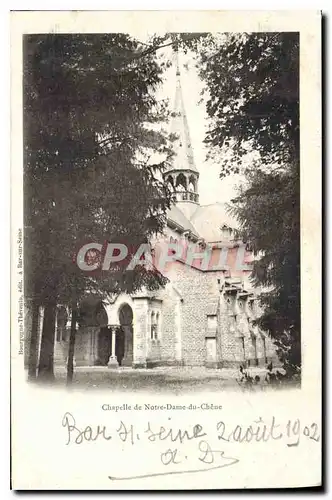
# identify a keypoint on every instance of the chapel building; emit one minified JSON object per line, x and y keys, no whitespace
{"x":204,"y":316}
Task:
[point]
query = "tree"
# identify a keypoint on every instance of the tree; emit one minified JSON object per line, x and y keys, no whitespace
{"x":252,"y":94}
{"x":252,"y":89}
{"x":269,"y":214}
{"x":88,"y":109}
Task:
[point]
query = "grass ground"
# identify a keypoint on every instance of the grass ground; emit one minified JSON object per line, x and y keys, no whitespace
{"x":159,"y":380}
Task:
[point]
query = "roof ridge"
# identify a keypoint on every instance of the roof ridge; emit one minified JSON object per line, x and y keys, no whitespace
{"x":214,"y":203}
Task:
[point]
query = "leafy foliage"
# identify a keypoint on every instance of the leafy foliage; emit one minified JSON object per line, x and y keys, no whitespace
{"x":269,"y":377}
{"x":88,"y":105}
{"x":246,"y":379}
{"x":253,"y":104}
{"x":252,"y":97}
{"x":269,"y":214}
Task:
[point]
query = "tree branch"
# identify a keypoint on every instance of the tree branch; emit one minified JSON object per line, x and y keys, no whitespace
{"x":154,"y":49}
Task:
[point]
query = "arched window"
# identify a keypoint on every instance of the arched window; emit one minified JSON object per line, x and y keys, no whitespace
{"x":181,"y":183}
{"x":192,"y":186}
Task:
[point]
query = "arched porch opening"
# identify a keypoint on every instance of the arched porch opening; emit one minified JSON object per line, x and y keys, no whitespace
{"x":125,"y":337}
{"x":93,"y":322}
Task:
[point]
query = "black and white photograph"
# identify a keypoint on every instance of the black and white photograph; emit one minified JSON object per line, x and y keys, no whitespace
{"x":162,"y":210}
{"x":160,"y":253}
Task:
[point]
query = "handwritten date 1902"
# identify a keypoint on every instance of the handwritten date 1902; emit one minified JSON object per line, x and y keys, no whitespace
{"x":261,"y":431}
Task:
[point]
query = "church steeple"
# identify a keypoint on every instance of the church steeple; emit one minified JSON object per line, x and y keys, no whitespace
{"x":182,"y":175}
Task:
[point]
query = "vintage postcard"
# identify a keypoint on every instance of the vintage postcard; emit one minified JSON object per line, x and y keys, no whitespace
{"x":166,"y":250}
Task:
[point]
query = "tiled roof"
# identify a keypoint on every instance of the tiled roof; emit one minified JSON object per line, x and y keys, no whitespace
{"x":208,"y":220}
{"x":176,"y":215}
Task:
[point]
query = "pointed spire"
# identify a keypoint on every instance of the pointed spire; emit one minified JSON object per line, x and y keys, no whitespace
{"x":182,"y":175}
{"x":184,"y":155}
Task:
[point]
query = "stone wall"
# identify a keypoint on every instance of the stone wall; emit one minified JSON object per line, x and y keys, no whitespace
{"x":196,"y":290}
{"x":141,"y":326}
{"x":240,"y":342}
{"x":183,"y":336}
{"x":168,"y":330}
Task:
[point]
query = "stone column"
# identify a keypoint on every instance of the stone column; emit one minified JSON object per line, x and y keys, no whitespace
{"x":113,"y":362}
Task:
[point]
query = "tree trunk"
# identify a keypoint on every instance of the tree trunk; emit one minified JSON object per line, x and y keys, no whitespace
{"x":71,"y":349}
{"x":32,"y":366}
{"x":46,"y":371}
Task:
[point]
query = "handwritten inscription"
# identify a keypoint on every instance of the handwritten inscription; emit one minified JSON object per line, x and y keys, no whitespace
{"x":259,"y":431}
{"x":179,"y":435}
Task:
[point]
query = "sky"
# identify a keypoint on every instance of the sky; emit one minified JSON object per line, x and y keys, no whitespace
{"x":211,"y":188}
